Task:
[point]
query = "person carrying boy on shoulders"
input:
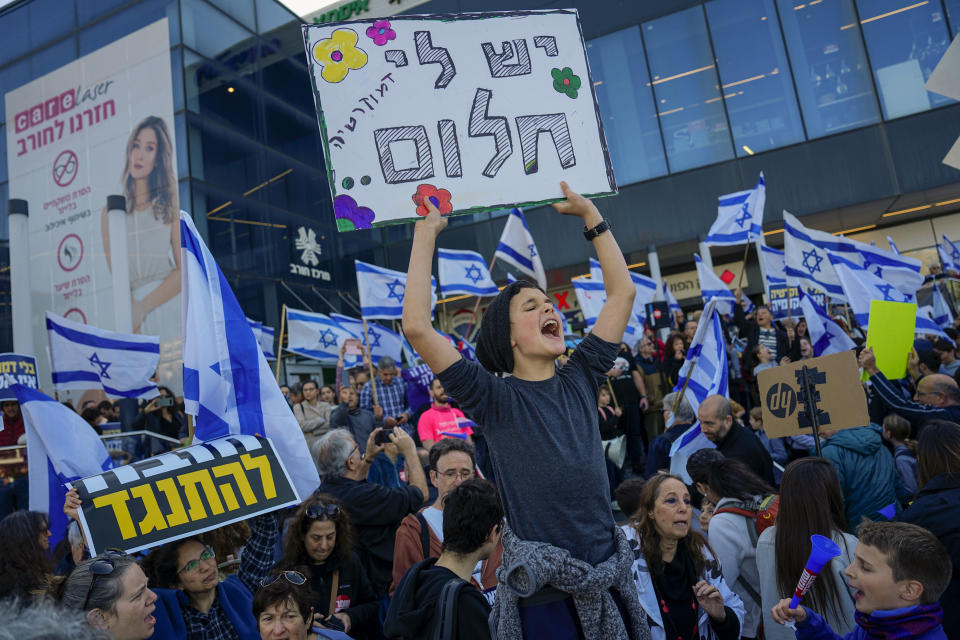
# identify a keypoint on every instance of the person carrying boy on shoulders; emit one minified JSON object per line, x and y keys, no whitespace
{"x":561,"y":542}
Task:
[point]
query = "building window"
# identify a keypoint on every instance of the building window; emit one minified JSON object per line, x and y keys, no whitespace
{"x":687,"y":91}
{"x":754,"y":75}
{"x":829,"y":65}
{"x":622,"y":85}
{"x":905,"y":43}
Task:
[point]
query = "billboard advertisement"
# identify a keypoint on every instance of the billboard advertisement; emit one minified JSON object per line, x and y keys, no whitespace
{"x":102,"y":125}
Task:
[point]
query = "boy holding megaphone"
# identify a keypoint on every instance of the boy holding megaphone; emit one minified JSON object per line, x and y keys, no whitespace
{"x":899,"y":571}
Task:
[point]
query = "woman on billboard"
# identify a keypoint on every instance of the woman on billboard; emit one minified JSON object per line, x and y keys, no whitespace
{"x":153,"y":229}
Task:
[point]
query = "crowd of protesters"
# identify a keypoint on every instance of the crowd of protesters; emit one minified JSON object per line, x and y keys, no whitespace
{"x":542,"y":504}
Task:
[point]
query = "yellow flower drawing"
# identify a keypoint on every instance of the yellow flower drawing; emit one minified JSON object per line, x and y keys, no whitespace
{"x":339,"y":54}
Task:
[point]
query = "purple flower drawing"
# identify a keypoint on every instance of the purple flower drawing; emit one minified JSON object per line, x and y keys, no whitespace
{"x":351,"y":216}
{"x":381,"y":32}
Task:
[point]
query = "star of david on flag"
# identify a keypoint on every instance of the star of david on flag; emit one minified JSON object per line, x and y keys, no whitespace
{"x":227,"y":384}
{"x":739,"y":217}
{"x":381,"y":291}
{"x":85,"y":357}
{"x":861,"y":286}
{"x":383,"y":341}
{"x":464,"y":273}
{"x":317,"y":336}
{"x":805,"y":263}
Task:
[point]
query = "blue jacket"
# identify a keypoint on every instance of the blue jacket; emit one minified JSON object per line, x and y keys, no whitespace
{"x":935,"y":509}
{"x":868,"y":475}
{"x":814,"y":628}
{"x":235,"y":599}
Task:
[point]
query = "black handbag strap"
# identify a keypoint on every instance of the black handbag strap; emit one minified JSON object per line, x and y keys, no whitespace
{"x":445,"y":628}
{"x":424,"y":535}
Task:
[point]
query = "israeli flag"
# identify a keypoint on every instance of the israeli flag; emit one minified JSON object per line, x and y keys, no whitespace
{"x":826,"y":336}
{"x":381,"y":291}
{"x":672,"y":303}
{"x":591,"y":297}
{"x":713,"y":288}
{"x":893,"y":247}
{"x":383,"y":341}
{"x":62,"y":448}
{"x":317,"y":336}
{"x":945,"y":260}
{"x":942,"y":315}
{"x":464,"y":272}
{"x":264,"y":336}
{"x":227,"y":384}
{"x":703,"y":374}
{"x":805,"y":257}
{"x":861,"y":286}
{"x":739,"y":217}
{"x":517,"y":248}
{"x":903,"y":272}
{"x":774,"y":267}
{"x":511,"y":278}
{"x":646,"y":288}
{"x":596,"y":271}
{"x":267,"y":341}
{"x":84,"y":357}
{"x":953,"y":252}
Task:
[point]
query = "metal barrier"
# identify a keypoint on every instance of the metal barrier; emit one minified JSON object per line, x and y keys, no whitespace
{"x":108,"y":436}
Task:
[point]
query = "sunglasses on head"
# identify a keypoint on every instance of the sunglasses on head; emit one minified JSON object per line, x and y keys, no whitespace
{"x":323,"y":511}
{"x":293,"y":577}
{"x":103,"y":565}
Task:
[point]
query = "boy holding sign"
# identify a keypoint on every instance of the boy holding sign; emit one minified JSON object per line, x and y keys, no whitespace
{"x":537,"y":421}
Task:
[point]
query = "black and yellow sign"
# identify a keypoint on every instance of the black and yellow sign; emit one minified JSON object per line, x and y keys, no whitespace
{"x":837,"y":400}
{"x":182,"y":493}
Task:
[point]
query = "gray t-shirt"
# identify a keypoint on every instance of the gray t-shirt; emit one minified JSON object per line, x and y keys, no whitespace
{"x":544,"y":441}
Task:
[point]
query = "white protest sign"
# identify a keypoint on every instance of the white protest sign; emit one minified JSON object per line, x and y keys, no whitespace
{"x":474,"y":111}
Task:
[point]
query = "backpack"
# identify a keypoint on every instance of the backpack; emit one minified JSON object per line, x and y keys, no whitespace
{"x":446,"y":615}
{"x":424,"y":534}
{"x":763,"y":512}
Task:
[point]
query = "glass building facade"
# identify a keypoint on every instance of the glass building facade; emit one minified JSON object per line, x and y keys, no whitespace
{"x":681,"y":86}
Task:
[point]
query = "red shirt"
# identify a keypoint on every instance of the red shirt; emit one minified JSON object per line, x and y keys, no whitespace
{"x":12,"y":430}
{"x":437,"y":420}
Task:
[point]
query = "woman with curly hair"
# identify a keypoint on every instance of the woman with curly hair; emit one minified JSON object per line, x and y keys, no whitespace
{"x":320,"y":541}
{"x":679,"y":582}
{"x":25,"y":569}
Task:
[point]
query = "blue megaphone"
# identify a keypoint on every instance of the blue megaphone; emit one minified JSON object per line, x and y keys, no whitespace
{"x":822,"y":551}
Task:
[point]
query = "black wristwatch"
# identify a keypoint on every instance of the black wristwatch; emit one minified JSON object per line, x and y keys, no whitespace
{"x":590,"y":234}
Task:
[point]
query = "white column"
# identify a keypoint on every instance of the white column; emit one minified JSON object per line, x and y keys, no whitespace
{"x":705,"y":255}
{"x":20,"y":299}
{"x":119,"y":264}
{"x":653,"y":261}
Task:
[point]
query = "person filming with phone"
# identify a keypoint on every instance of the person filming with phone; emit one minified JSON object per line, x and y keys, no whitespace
{"x":160,"y":415}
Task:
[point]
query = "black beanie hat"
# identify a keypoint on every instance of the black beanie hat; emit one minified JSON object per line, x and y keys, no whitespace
{"x":493,"y":344}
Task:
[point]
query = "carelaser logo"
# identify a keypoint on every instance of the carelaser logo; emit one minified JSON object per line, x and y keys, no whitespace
{"x":45,"y":110}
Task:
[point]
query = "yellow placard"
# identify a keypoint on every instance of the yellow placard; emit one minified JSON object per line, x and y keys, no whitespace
{"x":891,"y":335}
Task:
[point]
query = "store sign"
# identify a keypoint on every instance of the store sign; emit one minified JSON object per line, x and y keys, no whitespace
{"x":305,"y":255}
{"x":183,"y":493}
{"x":472,"y":112}
{"x":102,"y":125}
{"x":686,"y":285}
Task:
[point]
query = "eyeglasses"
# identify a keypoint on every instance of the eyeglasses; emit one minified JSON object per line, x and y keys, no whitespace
{"x":453,"y":474}
{"x":193,"y":565}
{"x":293,"y":577}
{"x":102,"y":566}
{"x":323,"y":511}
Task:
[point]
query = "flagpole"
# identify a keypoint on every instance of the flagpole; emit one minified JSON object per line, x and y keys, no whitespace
{"x":190,"y":429}
{"x":283,"y":326}
{"x":746,"y":252}
{"x":616,"y":405}
{"x":366,"y":343}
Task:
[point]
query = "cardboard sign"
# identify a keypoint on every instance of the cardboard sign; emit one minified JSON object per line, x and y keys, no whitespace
{"x":16,"y":369}
{"x":473,"y":111}
{"x":838,"y":396}
{"x":780,"y":297}
{"x":182,"y":493}
{"x":891,"y":335}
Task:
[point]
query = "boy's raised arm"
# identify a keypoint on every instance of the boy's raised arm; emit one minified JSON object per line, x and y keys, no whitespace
{"x":435,"y":350}
{"x":615,"y":314}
